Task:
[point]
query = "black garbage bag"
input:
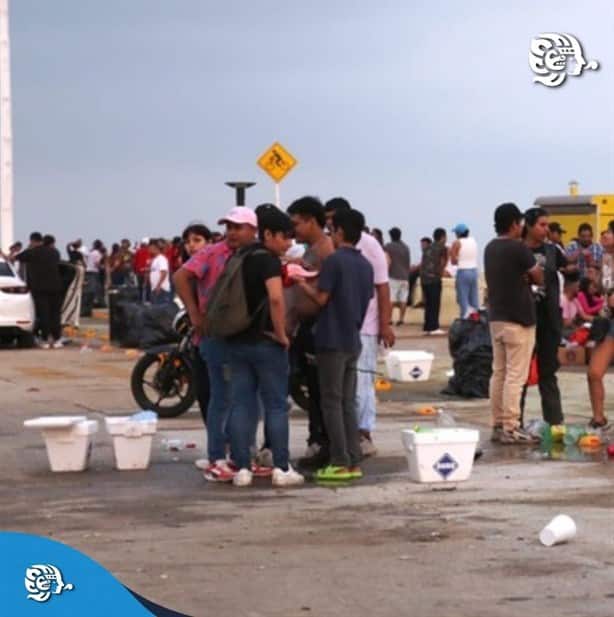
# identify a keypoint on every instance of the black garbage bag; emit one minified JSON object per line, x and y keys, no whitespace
{"x":158,"y":325}
{"x":143,"y":326}
{"x":471,"y":349}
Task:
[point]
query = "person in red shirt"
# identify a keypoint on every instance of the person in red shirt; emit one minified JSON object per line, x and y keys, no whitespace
{"x":142,"y":259}
{"x":173,"y":254}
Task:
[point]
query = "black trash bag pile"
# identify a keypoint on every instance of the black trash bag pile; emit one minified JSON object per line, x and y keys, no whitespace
{"x":144,"y":326}
{"x":471,"y":349}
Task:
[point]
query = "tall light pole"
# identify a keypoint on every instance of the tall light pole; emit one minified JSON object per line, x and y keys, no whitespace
{"x":6,"y":132}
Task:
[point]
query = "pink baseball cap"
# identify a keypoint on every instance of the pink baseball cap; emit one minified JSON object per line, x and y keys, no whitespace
{"x":297,"y":271}
{"x":240,"y":215}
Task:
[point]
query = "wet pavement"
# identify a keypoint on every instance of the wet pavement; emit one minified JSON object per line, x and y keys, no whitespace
{"x":378,"y":546}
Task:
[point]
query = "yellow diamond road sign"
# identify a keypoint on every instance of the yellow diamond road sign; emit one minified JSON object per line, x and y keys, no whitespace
{"x":277,"y":162}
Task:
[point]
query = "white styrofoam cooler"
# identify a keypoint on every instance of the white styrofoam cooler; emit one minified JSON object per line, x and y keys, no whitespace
{"x":409,"y":365}
{"x":67,"y":439}
{"x":131,"y":441}
{"x":440,"y":454}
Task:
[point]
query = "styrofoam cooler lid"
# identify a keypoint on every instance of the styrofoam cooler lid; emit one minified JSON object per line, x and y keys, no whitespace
{"x":126,"y":425}
{"x":443,"y":435}
{"x":51,"y":422}
{"x":410,"y":355}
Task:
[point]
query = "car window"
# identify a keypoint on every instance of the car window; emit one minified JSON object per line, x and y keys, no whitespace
{"x":5,"y":269}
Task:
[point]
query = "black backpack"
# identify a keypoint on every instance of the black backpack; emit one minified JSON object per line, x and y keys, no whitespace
{"x":227,"y":310}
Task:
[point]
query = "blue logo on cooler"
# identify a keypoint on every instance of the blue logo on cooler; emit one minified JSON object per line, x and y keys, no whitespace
{"x":416,"y":372}
{"x":445,"y":466}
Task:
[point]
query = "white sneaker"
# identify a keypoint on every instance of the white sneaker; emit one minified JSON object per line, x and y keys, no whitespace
{"x":243,"y":477}
{"x":312,"y":450}
{"x":367,"y":447}
{"x":438,"y":332}
{"x":287,"y":478}
{"x":264,"y":458}
{"x":44,"y":346}
{"x":57,"y":345}
{"x":201,"y":463}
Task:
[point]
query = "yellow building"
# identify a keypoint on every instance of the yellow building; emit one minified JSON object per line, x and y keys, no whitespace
{"x":574,"y":209}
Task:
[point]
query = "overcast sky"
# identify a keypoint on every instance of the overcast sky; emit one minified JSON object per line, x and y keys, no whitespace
{"x":129,"y":115}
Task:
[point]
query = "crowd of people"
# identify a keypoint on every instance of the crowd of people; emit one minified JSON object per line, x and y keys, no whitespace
{"x":315,"y":282}
{"x":532,"y":315}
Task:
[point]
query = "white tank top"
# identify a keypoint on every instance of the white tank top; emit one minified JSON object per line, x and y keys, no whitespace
{"x":468,"y":254}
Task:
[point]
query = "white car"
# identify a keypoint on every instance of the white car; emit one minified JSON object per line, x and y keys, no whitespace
{"x":16,"y":307}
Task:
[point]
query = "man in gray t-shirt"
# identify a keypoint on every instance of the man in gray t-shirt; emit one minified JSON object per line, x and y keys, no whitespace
{"x":398,"y":272}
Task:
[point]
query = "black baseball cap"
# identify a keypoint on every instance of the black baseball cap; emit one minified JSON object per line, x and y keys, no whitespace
{"x":556,"y":228}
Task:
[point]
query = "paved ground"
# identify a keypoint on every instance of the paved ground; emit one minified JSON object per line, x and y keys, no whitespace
{"x":383,"y":546}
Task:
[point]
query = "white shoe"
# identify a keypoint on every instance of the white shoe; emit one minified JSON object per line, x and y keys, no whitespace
{"x":366,"y":446}
{"x":287,"y":478}
{"x":243,"y":477}
{"x":264,"y":458}
{"x":438,"y":332}
{"x":44,"y":346}
{"x":312,"y":450}
{"x":201,"y":463}
{"x":57,"y":345}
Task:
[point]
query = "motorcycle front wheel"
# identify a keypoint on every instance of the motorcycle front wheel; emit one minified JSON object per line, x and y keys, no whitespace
{"x":163,"y":383}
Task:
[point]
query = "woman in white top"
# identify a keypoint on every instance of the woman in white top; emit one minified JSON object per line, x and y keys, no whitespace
{"x":464,"y":255}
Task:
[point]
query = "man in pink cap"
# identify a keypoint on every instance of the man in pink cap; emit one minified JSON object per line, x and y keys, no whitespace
{"x":204,"y":269}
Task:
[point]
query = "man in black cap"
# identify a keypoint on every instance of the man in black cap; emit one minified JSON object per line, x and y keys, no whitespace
{"x":555,"y":234}
{"x":510,"y":267}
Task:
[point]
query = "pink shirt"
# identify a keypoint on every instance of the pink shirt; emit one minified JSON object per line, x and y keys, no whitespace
{"x":570,"y":308}
{"x":595,"y":309}
{"x":375,"y":255}
{"x":206,"y":266}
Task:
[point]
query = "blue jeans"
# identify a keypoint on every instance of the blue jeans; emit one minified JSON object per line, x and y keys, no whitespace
{"x":215,"y":353}
{"x":365,"y":388}
{"x":258,"y":369}
{"x":467,"y":290}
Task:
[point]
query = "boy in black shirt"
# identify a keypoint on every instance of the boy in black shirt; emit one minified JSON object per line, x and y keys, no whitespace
{"x":259,"y":354}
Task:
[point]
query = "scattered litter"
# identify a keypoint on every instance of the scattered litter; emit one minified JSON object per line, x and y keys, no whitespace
{"x":404,"y":558}
{"x":32,"y":390}
{"x":427,"y":411}
{"x":190,"y":445}
{"x":445,"y":418}
{"x":173,"y":445}
{"x":561,"y":528}
{"x":164,"y":576}
{"x":382,"y":385}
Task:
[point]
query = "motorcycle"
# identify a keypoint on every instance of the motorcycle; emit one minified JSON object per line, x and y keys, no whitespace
{"x":163,"y":379}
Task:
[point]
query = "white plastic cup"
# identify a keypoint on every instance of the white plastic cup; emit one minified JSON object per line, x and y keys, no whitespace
{"x":560,"y":529}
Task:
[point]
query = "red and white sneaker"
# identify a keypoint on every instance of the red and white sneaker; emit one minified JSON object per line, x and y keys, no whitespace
{"x":220,"y":471}
{"x":261,"y":471}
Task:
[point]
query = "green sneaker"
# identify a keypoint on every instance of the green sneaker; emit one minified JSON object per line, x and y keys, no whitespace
{"x":355,"y":472}
{"x":334,"y":472}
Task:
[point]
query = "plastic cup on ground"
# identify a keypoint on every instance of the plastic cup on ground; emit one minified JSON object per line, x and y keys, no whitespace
{"x":561,"y":528}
